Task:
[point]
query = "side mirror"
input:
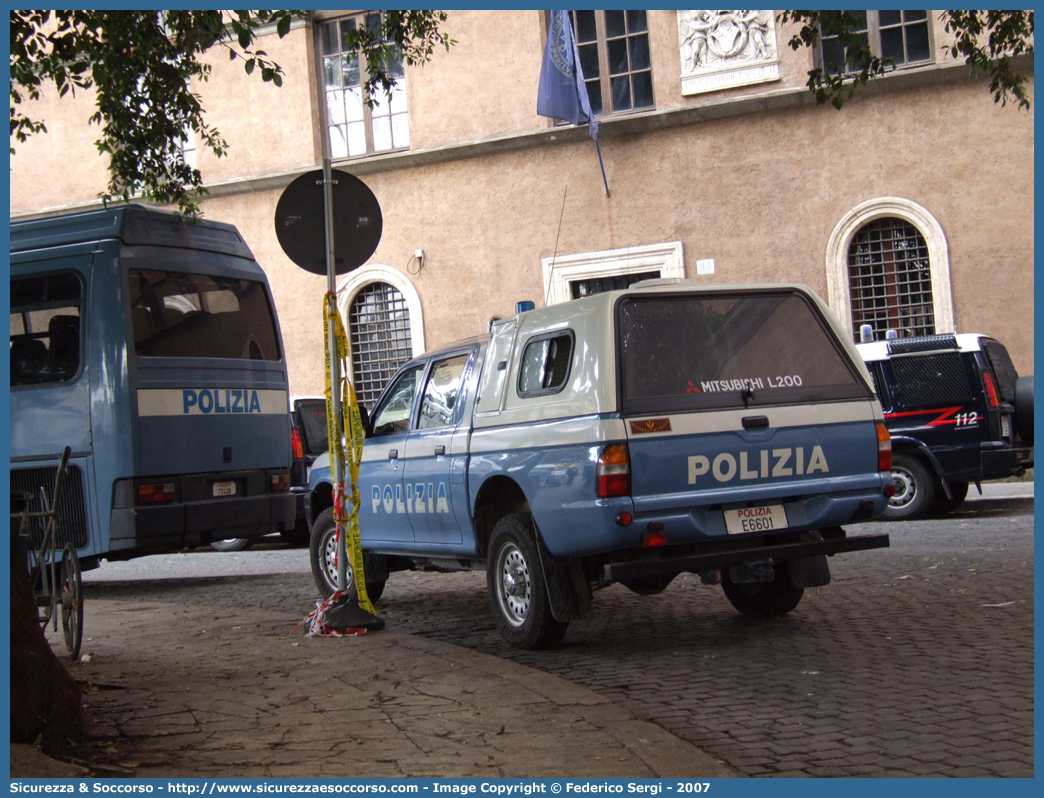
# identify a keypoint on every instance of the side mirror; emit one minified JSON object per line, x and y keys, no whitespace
{"x":364,"y":414}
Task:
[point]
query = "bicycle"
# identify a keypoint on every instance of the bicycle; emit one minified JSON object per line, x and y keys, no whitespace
{"x":56,"y":580}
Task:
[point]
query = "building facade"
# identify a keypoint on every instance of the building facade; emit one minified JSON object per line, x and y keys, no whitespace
{"x":910,"y":209}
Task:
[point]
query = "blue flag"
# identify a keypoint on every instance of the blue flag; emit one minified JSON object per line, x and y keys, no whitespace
{"x":562,"y":93}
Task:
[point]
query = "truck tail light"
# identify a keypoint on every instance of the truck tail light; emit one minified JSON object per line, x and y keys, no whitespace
{"x":157,"y":492}
{"x":991,"y":389}
{"x":279,"y":483}
{"x":613,"y":473}
{"x":884,"y":448}
{"x":295,"y":442}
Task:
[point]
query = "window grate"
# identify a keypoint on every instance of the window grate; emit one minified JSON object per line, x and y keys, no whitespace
{"x":890,"y":279}
{"x":381,"y":340}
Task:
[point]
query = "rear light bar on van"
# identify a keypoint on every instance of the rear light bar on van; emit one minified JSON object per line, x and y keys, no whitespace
{"x":884,"y":448}
{"x":613,"y":472}
{"x":991,"y":389}
{"x":279,"y":482}
{"x":157,"y":492}
{"x":295,"y":441}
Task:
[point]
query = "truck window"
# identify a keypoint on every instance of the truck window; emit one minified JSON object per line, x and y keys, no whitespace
{"x":441,"y":392}
{"x":930,"y":380}
{"x":45,"y":329}
{"x":682,"y":353}
{"x":176,"y":314}
{"x":545,"y":365}
{"x":393,"y":415}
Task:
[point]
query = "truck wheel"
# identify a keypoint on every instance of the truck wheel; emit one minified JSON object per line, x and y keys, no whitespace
{"x":914,"y":489}
{"x":764,"y":599}
{"x":942,"y":505}
{"x":232,"y":544}
{"x":1024,"y":409}
{"x":322,"y":553}
{"x":515,"y":582}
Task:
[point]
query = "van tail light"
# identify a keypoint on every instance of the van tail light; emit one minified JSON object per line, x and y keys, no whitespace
{"x":884,"y":448}
{"x":157,"y":492}
{"x":279,"y":483}
{"x":613,"y":473}
{"x":295,"y":442}
{"x":991,"y":389}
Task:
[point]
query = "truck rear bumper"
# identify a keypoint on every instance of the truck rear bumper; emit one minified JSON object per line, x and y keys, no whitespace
{"x":697,"y":563}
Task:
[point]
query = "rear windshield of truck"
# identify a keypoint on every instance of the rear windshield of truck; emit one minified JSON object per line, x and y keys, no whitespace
{"x":176,"y":314}
{"x":689,"y":352}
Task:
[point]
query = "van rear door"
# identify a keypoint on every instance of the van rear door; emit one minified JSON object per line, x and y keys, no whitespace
{"x":210,"y":380}
{"x":737,"y":400}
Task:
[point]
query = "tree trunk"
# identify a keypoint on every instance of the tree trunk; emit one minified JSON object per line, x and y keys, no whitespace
{"x":45,"y":700}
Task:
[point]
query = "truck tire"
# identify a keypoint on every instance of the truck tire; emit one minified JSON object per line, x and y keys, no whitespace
{"x":942,"y":505}
{"x":232,"y":544}
{"x":914,"y":489}
{"x":764,"y":599}
{"x":1024,"y":409}
{"x":515,"y":582}
{"x":322,"y":551}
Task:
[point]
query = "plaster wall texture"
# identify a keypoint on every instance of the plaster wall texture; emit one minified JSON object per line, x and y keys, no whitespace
{"x":760,"y":193}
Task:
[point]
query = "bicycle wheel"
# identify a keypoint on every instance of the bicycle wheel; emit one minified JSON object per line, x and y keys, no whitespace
{"x":72,"y":602}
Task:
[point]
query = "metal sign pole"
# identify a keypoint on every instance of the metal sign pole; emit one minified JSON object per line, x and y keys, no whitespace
{"x":336,"y":467}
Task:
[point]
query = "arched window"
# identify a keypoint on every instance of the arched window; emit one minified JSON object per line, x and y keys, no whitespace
{"x":382,"y":315}
{"x":888,"y":266}
{"x":379,"y":336}
{"x":890,"y":279}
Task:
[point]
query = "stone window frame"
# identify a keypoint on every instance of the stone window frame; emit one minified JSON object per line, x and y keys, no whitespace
{"x":369,"y":115}
{"x":560,"y":271}
{"x":604,"y":79}
{"x":838,"y":291}
{"x":873,"y":33}
{"x":355,"y":281}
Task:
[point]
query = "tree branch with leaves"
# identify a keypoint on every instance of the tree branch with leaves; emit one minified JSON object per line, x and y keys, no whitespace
{"x":141,"y":65}
{"x":988,"y":41}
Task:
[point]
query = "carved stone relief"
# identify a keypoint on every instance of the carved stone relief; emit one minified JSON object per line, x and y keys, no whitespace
{"x":723,"y":49}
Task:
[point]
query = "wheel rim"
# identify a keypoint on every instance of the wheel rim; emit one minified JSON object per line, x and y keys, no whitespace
{"x":330,"y":562}
{"x":514,"y":589}
{"x":72,"y":604}
{"x":905,"y":488}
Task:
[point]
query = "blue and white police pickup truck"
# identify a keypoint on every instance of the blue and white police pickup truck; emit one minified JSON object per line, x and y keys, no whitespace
{"x":629,"y":436}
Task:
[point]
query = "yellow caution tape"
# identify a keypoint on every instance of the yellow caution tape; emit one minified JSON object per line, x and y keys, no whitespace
{"x":334,"y":426}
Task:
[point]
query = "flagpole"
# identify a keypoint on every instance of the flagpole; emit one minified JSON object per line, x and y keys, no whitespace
{"x":601,"y":164}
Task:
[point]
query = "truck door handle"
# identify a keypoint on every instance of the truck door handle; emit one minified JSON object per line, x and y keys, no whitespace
{"x":440,"y":450}
{"x":393,"y":454}
{"x":753,"y":422}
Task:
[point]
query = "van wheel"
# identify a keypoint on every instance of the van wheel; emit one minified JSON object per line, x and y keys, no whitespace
{"x":515,"y":582}
{"x":914,"y":489}
{"x":942,"y":505}
{"x":322,"y":553}
{"x":232,"y":544}
{"x":764,"y":599}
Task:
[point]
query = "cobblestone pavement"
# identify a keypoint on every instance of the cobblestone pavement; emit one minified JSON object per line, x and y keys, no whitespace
{"x":915,"y":661}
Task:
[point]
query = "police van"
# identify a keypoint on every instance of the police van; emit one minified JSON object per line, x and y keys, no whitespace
{"x":151,"y":347}
{"x":629,"y":436}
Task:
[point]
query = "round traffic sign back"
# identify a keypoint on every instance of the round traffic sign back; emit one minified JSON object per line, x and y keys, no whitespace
{"x":300,"y":222}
